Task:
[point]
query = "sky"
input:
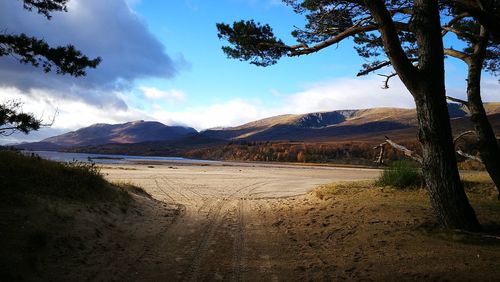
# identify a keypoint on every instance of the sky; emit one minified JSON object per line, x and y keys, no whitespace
{"x":162,"y":60}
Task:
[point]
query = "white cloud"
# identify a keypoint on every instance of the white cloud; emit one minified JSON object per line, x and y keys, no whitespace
{"x":229,"y":113}
{"x":490,"y":90}
{"x":70,"y":113}
{"x":338,"y":94}
{"x":347,"y":93}
{"x":172,"y":96}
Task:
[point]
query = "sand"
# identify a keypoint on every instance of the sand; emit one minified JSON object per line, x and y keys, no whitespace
{"x":264,"y":222}
{"x":227,"y":230}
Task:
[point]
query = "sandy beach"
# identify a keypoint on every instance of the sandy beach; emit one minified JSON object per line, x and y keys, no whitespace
{"x":226,"y":231}
{"x":227,"y":221}
{"x":271,"y":222}
{"x":191,"y":184}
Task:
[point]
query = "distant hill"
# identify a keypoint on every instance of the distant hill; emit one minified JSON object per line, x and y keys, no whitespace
{"x":171,"y":148}
{"x":324,"y":126}
{"x":100,"y":134}
{"x":266,"y":137}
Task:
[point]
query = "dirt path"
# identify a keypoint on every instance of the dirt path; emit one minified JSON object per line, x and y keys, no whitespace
{"x":227,"y":231}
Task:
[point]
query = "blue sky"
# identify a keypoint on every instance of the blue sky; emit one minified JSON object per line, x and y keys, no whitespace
{"x":162,"y":61}
{"x":187,"y":28}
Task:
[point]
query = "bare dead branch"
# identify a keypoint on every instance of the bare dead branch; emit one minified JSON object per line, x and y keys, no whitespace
{"x":301,"y":45}
{"x":7,"y":131}
{"x":52,"y":119}
{"x":380,"y":158}
{"x":461,"y":135}
{"x":463,"y":102}
{"x":409,"y":153}
{"x":387,"y":78}
{"x":463,"y":154}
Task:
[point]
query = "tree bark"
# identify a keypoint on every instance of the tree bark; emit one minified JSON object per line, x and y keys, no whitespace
{"x":426,"y":84}
{"x":487,"y":143}
{"x":439,"y":167}
{"x":439,"y":164}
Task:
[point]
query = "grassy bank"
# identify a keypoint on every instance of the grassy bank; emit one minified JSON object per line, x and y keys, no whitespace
{"x":57,"y":218}
{"x":22,"y":175}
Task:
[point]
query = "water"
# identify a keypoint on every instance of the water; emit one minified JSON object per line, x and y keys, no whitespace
{"x":107,"y":159}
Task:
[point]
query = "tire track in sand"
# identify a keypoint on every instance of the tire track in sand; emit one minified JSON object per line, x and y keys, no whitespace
{"x":214,"y":223}
{"x":239,"y":248}
{"x":239,"y":244}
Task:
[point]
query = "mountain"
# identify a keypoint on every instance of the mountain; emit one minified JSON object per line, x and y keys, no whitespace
{"x":126,"y":133}
{"x":171,"y":148}
{"x":324,"y":126}
{"x":365,"y":126}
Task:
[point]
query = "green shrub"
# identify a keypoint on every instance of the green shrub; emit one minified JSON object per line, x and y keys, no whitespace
{"x":401,"y":174}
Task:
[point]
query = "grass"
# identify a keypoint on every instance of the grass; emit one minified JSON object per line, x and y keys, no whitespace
{"x":480,"y":190}
{"x":127,"y":186}
{"x":327,"y":191}
{"x":31,"y":175}
{"x":50,"y":208}
{"x":471,"y":165}
{"x":401,"y":174}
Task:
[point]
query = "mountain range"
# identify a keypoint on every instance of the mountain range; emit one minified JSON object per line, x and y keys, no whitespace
{"x":147,"y":137}
{"x":101,"y":133}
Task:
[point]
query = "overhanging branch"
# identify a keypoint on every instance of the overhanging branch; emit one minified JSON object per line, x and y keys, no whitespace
{"x":457,"y":54}
{"x":457,"y":18}
{"x":392,"y":44}
{"x":374,"y":68}
{"x":467,"y":35}
{"x":303,"y":49}
{"x":452,"y":22}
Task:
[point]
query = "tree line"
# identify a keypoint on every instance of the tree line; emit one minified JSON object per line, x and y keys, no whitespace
{"x":358,"y":153}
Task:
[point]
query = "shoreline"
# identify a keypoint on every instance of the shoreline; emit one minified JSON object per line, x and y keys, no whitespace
{"x":110,"y":159}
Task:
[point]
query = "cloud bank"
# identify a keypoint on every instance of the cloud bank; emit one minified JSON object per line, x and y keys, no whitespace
{"x":109,"y":29}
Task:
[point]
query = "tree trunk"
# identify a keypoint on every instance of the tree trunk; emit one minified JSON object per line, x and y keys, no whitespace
{"x":487,"y":143}
{"x":426,"y":84}
{"x":439,"y":167}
